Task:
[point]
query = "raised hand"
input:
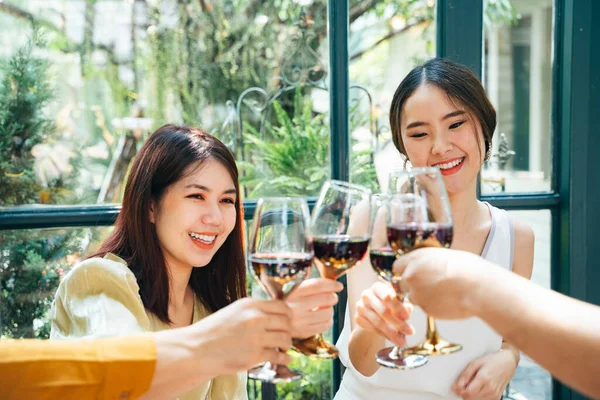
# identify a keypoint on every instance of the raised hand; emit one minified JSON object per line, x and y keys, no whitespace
{"x":312,"y":306}
{"x":380,"y":311}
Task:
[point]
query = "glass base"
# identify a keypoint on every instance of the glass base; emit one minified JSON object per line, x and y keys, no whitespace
{"x":392,"y":357}
{"x":434,"y":348}
{"x":315,"y":347}
{"x":273,"y":373}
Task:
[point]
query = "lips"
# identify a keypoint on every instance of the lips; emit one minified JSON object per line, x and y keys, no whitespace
{"x":204,"y":241}
{"x":451,"y":166}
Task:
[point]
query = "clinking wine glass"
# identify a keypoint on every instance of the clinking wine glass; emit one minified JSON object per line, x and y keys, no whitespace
{"x":281,"y":256}
{"x":382,"y":258}
{"x":419,"y":216}
{"x":339,"y":242}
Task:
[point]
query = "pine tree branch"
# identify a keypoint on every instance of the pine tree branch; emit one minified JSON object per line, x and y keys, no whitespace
{"x":387,"y":37}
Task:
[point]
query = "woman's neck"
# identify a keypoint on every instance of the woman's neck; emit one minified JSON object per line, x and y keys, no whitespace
{"x":465,"y":208}
{"x":180,"y":292}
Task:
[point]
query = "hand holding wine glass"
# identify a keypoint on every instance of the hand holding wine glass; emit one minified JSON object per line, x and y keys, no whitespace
{"x":338,"y":244}
{"x":419,"y":216}
{"x":281,"y":257}
{"x":382,"y":258}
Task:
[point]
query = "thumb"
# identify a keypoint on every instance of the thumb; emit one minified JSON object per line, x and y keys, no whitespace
{"x":400,"y":264}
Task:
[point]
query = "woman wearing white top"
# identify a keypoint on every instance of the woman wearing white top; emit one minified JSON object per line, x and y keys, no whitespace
{"x":440,"y":116}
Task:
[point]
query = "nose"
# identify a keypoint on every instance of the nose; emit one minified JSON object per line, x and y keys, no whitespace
{"x":441,"y":145}
{"x":212,"y":215}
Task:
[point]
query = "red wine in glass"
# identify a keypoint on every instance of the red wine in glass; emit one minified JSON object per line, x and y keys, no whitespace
{"x":279,"y":274}
{"x":336,"y":254}
{"x":382,"y":261}
{"x":339,"y":242}
{"x":280,"y":256}
{"x":410,"y":236}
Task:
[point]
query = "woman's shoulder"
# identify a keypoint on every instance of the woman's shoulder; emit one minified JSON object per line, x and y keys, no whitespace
{"x":98,"y":297}
{"x":521,"y":231}
{"x":520,"y":228}
{"x":522,"y":241}
{"x":96,"y":275}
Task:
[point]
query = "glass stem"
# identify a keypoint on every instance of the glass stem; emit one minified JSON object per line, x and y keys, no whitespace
{"x":432,"y":333}
{"x":398,"y":352}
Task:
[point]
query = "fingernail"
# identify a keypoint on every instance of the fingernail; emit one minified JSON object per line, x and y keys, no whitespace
{"x":409,"y":330}
{"x":339,"y":286}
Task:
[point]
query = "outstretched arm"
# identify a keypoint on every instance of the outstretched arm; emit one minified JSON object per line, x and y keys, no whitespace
{"x":558,"y":332}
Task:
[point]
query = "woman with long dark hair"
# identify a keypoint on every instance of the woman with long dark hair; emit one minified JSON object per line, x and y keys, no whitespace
{"x":176,"y":256}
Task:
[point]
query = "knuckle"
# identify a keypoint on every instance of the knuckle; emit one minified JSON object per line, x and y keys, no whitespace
{"x":332,"y":299}
{"x":285,"y":341}
{"x":360,"y":307}
{"x":329,"y":313}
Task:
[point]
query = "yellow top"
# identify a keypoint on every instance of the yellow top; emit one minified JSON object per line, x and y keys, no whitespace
{"x":112,"y":368}
{"x":100,"y":298}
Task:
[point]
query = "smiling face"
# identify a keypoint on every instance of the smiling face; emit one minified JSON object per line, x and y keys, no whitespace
{"x":438,"y":132}
{"x":195,"y":215}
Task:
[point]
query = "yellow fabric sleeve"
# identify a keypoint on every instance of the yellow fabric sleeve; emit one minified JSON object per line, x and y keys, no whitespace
{"x":98,"y":298}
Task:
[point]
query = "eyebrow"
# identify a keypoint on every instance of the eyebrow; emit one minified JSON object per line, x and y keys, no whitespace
{"x":206,"y":189}
{"x":449,"y":115}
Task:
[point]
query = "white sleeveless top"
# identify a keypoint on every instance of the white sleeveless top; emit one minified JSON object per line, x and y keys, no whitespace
{"x":434,"y":380}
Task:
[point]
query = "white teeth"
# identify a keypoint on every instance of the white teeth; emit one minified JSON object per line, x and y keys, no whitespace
{"x":451,"y":164}
{"x":203,"y":238}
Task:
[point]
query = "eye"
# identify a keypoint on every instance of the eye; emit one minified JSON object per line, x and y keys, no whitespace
{"x":456,"y":124}
{"x":228,"y":201}
{"x":418,"y":135}
{"x":196,"y":196}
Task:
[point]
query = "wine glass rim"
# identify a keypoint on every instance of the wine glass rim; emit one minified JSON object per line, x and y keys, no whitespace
{"x":345,"y":186}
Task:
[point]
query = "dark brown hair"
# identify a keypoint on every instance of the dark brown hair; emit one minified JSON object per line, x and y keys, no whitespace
{"x":161,"y":162}
{"x":459,"y":84}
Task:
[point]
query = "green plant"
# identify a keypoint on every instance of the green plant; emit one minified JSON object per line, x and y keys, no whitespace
{"x":314,"y":384}
{"x":291,"y":157}
{"x":34,"y":168}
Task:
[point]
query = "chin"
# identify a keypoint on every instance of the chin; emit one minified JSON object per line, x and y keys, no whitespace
{"x":200,"y":262}
{"x":455,"y":185}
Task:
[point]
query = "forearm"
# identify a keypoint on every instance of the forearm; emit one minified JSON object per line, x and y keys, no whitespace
{"x":363,"y":348}
{"x":180,"y":366}
{"x":559,"y":333}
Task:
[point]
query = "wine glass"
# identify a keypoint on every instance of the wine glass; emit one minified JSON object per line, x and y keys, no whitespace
{"x":339,"y":242}
{"x":281,"y":256}
{"x":419,"y":216}
{"x":382,"y":258}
